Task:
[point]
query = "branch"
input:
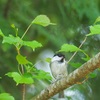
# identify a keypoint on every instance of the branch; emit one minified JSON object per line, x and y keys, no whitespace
{"x":77,"y":51}
{"x":70,"y":80}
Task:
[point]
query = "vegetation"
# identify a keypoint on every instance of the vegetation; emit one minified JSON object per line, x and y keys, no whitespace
{"x":68,"y":33}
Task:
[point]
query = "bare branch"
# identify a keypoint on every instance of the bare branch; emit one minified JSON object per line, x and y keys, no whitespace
{"x":71,"y":79}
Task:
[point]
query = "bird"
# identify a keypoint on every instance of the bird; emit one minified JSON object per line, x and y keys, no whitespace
{"x":58,"y":66}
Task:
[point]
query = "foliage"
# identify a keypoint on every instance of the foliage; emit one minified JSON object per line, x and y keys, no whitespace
{"x":27,"y":77}
{"x":6,"y":96}
{"x":69,"y":48}
{"x":18,"y":43}
{"x":42,"y":20}
{"x":72,"y":18}
{"x":24,"y":78}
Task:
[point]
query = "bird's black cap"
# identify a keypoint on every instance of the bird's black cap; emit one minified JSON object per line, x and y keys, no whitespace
{"x":60,"y":55}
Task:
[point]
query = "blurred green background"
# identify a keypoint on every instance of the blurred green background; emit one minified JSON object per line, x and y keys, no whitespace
{"x":73,"y":18}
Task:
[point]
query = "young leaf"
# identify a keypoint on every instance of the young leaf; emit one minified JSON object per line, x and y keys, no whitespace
{"x":92,"y":75}
{"x":13,"y":26}
{"x":42,"y":20}
{"x":17,"y":40}
{"x":15,"y":75}
{"x":94,"y":30}
{"x":27,"y":79}
{"x":42,"y":75}
{"x":75,"y":65}
{"x":69,"y":48}
{"x":6,"y":96}
{"x":20,"y":79}
{"x":12,"y":40}
{"x":21,"y":59}
{"x":86,"y":59}
{"x":97,"y":20}
{"x":32,"y":44}
{"x":16,"y":29}
{"x":30,"y":68}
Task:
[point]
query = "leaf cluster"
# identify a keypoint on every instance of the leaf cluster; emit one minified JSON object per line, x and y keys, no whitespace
{"x":30,"y":73}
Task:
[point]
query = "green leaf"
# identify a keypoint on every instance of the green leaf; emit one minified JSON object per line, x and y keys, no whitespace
{"x":6,"y":96}
{"x":17,"y":40}
{"x":94,"y":30}
{"x":13,"y":26}
{"x":42,"y":20}
{"x":69,"y":48}
{"x":21,"y":59}
{"x":12,"y":40}
{"x":92,"y":75}
{"x":27,"y":79}
{"x":42,"y":75}
{"x":16,"y":29}
{"x":20,"y":79}
{"x":32,"y":44}
{"x":75,"y":65}
{"x":1,"y":33}
{"x":86,"y":59}
{"x":30,"y":68}
{"x":15,"y":75}
{"x":97,"y":20}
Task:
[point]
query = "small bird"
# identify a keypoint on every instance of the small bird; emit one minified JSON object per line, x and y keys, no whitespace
{"x":58,"y":66}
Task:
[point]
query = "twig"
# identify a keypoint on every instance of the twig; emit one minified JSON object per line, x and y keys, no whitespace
{"x":23,"y":91}
{"x":23,"y":86}
{"x":77,"y":51}
{"x":26,"y":31}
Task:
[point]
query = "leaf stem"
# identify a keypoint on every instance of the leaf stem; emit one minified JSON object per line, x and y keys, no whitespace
{"x":77,"y":51}
{"x":26,"y":31}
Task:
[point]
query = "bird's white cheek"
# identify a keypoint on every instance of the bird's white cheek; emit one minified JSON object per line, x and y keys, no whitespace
{"x":56,"y":58}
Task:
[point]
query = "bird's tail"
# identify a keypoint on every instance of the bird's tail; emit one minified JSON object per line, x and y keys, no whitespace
{"x":61,"y":94}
